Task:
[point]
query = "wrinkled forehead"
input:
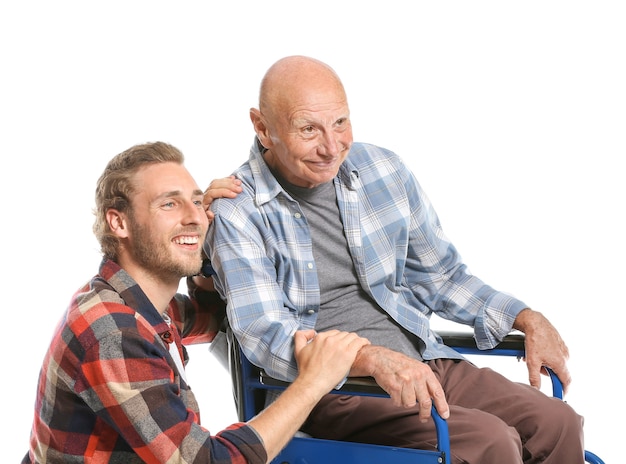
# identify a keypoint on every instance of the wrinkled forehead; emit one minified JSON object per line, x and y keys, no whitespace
{"x":325,"y":104}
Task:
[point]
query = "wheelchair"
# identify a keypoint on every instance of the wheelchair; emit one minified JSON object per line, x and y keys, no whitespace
{"x":251,"y":383}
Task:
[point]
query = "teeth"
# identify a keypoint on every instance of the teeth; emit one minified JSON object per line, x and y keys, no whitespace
{"x":186,"y":240}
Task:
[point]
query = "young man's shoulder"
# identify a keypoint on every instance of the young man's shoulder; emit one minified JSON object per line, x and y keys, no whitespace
{"x":97,"y":311}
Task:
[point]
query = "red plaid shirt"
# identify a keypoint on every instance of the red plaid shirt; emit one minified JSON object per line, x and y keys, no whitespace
{"x":109,"y":391}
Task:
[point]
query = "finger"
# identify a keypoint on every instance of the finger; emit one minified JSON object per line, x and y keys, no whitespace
{"x":231,"y":184}
{"x":308,"y":334}
{"x":564,"y":376}
{"x":408,"y":397}
{"x":210,"y":215}
{"x":349,"y":349}
{"x":534,"y":374}
{"x":213,"y":193}
{"x":299,"y":341}
{"x":302,"y":338}
{"x":433,"y":396}
{"x":359,"y":342}
{"x":351,"y":342}
{"x":426,"y":405}
{"x":439,"y":399}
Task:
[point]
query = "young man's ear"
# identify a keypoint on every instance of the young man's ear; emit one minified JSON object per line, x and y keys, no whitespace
{"x":260,"y":127}
{"x":117,"y":223}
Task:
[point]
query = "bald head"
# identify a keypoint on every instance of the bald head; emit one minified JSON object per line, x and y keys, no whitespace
{"x":303,"y":121}
{"x":295,"y":80}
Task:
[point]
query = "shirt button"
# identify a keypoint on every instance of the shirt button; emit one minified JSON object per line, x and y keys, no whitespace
{"x":297,"y":215}
{"x":311,"y":311}
{"x":310,"y":265}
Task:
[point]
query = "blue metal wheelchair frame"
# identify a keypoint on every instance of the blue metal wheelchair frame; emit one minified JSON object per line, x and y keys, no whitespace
{"x":249,"y":380}
{"x":306,"y":450}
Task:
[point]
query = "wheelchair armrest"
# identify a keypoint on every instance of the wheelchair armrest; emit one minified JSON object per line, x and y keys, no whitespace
{"x":359,"y":385}
{"x":463,"y":342}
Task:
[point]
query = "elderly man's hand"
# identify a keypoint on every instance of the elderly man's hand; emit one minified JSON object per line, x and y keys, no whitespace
{"x":544,"y":348}
{"x":406,"y":380}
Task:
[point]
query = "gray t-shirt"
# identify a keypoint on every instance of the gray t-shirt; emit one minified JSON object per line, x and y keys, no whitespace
{"x":344,"y":305}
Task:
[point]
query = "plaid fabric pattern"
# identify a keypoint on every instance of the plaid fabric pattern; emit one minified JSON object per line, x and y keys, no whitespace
{"x":109,"y":390}
{"x":261,"y":249}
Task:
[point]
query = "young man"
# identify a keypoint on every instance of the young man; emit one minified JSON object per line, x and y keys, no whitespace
{"x":112,"y":387}
{"x":333,"y":234}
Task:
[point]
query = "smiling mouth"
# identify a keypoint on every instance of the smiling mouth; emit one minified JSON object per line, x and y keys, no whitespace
{"x":324,"y":164}
{"x":186,"y":240}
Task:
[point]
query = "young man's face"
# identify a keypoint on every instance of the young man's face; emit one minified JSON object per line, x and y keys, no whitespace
{"x":168,"y":222}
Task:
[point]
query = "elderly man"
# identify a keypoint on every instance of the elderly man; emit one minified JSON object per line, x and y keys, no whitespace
{"x":330,"y":234}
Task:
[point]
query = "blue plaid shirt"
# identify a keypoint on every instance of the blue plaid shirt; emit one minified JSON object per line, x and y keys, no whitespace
{"x":260,"y":246}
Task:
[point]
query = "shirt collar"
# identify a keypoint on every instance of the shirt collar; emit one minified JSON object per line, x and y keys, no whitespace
{"x":130,"y":292}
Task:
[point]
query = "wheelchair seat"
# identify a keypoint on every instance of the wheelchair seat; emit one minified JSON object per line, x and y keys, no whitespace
{"x":250,"y":384}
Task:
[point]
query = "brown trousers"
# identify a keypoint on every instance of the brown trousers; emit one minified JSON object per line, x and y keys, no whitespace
{"x":492,"y":420}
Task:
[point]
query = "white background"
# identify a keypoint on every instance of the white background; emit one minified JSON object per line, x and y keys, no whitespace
{"x":511,"y":114}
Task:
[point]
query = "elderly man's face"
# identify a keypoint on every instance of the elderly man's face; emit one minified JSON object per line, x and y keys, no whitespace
{"x":310,"y":136}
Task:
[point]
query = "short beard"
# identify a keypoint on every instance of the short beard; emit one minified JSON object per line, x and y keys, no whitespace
{"x":152,"y":255}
